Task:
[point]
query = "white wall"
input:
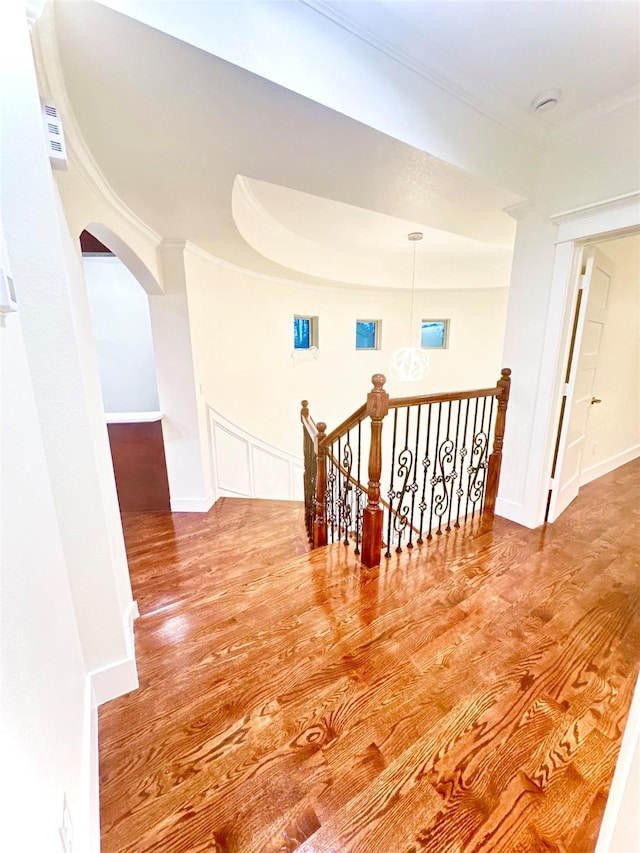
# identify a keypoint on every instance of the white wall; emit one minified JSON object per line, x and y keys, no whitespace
{"x":47,"y":736}
{"x":184,"y":422}
{"x":242,"y":327}
{"x":613,"y":428}
{"x":44,"y":723}
{"x":122,"y":334}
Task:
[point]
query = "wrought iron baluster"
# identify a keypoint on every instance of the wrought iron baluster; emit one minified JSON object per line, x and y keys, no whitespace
{"x":414,"y":484}
{"x":445,"y":457}
{"x":434,"y":476}
{"x":462,"y":453}
{"x":480,"y":446}
{"x":426,"y":463}
{"x":347,"y":464}
{"x":470,"y":469}
{"x":454,"y":473}
{"x":403,"y":472}
{"x":358,"y":493}
{"x":492,"y":407}
{"x":390,"y":493}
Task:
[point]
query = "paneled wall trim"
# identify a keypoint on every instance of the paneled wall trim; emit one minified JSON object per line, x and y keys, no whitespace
{"x":244,"y":466}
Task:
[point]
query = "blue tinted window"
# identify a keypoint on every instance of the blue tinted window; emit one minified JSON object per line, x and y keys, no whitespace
{"x":366,"y":334}
{"x":301,"y":332}
{"x":433,"y":334}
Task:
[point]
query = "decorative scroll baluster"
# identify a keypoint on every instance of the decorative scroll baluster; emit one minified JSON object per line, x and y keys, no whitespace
{"x":495,"y":460}
{"x":434,"y":476}
{"x":320,"y":517}
{"x":459,"y":477}
{"x":310,"y":462}
{"x":462,"y":453}
{"x":377,"y":408}
{"x":414,"y":485}
{"x":426,"y":463}
{"x":358,"y":492}
{"x":391,"y":492}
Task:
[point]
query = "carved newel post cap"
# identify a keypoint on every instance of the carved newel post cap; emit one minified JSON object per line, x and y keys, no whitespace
{"x":304,"y":404}
{"x":506,"y":371}
{"x":321,"y":426}
{"x":378,"y":380}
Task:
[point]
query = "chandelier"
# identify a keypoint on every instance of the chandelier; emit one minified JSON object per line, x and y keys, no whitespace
{"x":409,"y":364}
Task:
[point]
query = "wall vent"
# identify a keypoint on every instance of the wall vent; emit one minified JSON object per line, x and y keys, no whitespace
{"x":54,"y":136}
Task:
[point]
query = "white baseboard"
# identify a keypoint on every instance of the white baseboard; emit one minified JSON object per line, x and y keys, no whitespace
{"x":619,"y":822}
{"x":121,"y":676}
{"x":115,"y":680}
{"x":513,"y":511}
{"x":192,"y":504}
{"x":610,"y":464}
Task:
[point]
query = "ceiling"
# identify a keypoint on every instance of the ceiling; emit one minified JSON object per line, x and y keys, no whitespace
{"x":498,"y":55}
{"x":261,"y":176}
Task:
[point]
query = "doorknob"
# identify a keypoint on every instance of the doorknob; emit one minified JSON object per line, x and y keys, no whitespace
{"x":595,"y":400}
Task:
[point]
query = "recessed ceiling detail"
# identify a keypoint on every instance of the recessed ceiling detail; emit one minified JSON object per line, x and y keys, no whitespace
{"x":343,"y":243}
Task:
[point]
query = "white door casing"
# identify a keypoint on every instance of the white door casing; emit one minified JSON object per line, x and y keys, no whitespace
{"x":581,"y":383}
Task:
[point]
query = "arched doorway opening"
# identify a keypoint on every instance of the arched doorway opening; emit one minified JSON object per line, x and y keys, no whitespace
{"x":119,"y":309}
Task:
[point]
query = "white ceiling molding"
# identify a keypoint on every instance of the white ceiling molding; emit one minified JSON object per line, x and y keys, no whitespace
{"x":389,"y":30}
{"x":492,"y":107}
{"x":619,"y":214}
{"x":52,"y":88}
{"x":620,"y":103}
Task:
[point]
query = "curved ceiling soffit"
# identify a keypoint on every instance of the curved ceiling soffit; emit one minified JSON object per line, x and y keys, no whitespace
{"x":274,"y":241}
{"x":373,"y":267}
{"x":122,"y":220}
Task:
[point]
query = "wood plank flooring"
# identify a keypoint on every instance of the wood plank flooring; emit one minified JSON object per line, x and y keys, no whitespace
{"x":463,"y":698}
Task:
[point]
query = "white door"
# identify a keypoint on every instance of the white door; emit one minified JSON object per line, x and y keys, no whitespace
{"x":580,"y":390}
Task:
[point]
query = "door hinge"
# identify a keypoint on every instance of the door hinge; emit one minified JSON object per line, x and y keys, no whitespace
{"x":552,"y":483}
{"x":565,"y":389}
{"x":582,"y":281}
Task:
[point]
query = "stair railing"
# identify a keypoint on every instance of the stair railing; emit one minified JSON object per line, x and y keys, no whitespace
{"x":434,"y":468}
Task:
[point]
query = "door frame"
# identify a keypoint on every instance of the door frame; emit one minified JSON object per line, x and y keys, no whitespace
{"x":577,"y":230}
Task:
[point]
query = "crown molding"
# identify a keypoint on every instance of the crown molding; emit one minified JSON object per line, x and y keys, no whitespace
{"x":608,"y":204}
{"x":52,"y":87}
{"x":490,"y":109}
{"x":620,"y":103}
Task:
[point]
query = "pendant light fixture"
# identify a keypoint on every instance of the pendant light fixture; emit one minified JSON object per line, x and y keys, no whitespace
{"x":409,"y":364}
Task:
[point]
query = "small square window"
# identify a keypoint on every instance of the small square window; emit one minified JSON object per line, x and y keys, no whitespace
{"x":434,"y":334}
{"x":367,"y":334}
{"x":305,"y":332}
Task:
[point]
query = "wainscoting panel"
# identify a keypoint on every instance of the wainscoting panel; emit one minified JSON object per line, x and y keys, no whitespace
{"x":246,"y":466}
{"x":232,"y":460}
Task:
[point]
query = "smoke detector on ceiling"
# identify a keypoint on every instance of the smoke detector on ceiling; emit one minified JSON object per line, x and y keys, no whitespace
{"x":546,"y":101}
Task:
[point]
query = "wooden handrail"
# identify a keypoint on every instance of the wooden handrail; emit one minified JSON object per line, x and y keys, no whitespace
{"x":346,"y":425}
{"x":399,"y":402}
{"x":309,"y":424}
{"x":442,"y":483}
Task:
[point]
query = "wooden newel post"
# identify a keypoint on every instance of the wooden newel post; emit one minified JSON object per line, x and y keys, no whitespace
{"x":495,"y":459}
{"x":377,"y":408}
{"x":319,"y":520}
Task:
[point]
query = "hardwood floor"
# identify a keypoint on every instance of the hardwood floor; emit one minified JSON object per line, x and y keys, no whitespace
{"x":468,"y":697}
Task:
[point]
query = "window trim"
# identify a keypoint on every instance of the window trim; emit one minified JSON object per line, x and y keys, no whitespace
{"x":445,"y":340}
{"x":313,"y":331}
{"x":378,"y":335}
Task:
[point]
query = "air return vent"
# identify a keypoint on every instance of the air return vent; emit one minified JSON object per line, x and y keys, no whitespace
{"x":54,"y":136}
